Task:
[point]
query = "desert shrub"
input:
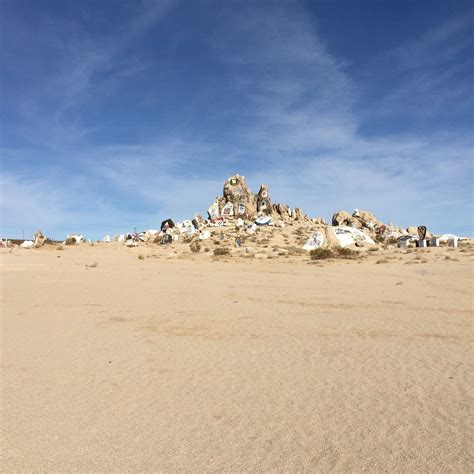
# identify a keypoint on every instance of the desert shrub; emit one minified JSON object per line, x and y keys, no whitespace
{"x":141,"y":257}
{"x":321,"y":254}
{"x":382,"y":260}
{"x":292,"y":250}
{"x":343,"y":252}
{"x":195,"y":247}
{"x":221,"y":251}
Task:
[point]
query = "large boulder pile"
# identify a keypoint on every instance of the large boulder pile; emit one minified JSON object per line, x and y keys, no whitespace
{"x":368,"y":223}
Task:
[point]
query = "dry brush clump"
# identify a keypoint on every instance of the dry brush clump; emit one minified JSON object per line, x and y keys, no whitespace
{"x":321,"y":254}
{"x":219,"y":251}
{"x":338,"y":252}
{"x":188,"y":239}
{"x":195,"y":246}
{"x":294,"y":251}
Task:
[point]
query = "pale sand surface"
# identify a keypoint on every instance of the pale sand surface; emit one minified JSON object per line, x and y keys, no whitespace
{"x":182,"y":363}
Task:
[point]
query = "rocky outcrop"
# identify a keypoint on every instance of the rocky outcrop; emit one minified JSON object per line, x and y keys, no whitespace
{"x":263,"y":200}
{"x":40,"y":239}
{"x":243,"y":201}
{"x":346,"y":219}
{"x":238,"y":202}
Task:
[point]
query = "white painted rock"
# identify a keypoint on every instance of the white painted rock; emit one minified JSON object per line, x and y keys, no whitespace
{"x":315,"y":241}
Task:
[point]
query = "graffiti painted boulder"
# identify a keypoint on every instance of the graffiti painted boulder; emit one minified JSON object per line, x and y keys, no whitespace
{"x":213,"y":210}
{"x":263,"y":200}
{"x":315,"y":241}
{"x":349,"y":235}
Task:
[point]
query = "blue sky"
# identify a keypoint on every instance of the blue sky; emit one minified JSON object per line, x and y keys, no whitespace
{"x":116,"y":115}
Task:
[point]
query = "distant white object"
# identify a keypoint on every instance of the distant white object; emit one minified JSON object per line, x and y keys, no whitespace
{"x":422,"y":243}
{"x":350,"y":235}
{"x":27,"y":244}
{"x":263,"y":220}
{"x":453,"y":242}
{"x":150,"y":234}
{"x":213,"y":210}
{"x":315,"y":241}
{"x":448,"y":237}
{"x":251,"y":229}
{"x":106,"y":238}
{"x":76,"y":237}
{"x":434,"y":242}
{"x":121,"y":238}
{"x":403,"y":244}
{"x":239,"y":222}
{"x":131,"y":243}
{"x":204,"y":235}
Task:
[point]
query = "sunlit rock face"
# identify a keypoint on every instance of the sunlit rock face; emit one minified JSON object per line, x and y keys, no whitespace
{"x":242,"y":201}
{"x":263,"y":200}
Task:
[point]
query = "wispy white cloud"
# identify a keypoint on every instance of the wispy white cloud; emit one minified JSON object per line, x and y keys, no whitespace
{"x":428,"y":79}
{"x":291,"y":121}
{"x":441,"y":43}
{"x":81,"y":67}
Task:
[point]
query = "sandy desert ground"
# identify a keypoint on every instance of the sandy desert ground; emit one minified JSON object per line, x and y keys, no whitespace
{"x":186,"y":362}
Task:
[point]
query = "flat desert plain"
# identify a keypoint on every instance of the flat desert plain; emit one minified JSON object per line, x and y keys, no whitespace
{"x":186,"y":362}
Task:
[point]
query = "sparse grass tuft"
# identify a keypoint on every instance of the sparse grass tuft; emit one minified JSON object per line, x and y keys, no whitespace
{"x":141,"y":257}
